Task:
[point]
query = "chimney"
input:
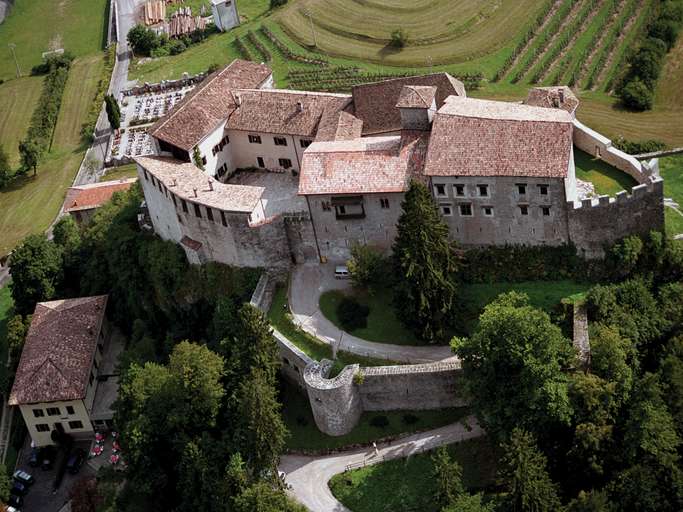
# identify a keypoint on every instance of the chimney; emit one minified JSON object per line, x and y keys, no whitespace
{"x":195,"y":192}
{"x":210,"y":186}
{"x":299,"y":106}
{"x":175,"y":183}
{"x":561,"y":93}
{"x":238,"y":100}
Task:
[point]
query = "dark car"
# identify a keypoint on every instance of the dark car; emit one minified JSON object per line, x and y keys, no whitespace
{"x":23,"y":477}
{"x":73,"y":465}
{"x":19,"y":489}
{"x":34,"y":458}
{"x":15,"y":501}
{"x":47,"y":458}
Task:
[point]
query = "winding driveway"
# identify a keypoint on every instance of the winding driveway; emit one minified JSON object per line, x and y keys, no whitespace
{"x":308,"y":476}
{"x":308,"y":283}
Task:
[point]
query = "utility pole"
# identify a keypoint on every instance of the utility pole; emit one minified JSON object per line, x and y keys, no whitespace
{"x":12,"y":46}
{"x":310,"y":18}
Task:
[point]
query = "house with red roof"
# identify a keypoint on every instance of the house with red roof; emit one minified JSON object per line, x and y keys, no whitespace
{"x":82,"y":201}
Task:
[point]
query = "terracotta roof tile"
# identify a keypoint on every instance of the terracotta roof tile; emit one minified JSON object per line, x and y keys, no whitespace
{"x":494,"y":138}
{"x":338,"y":125}
{"x":375,"y":103}
{"x":87,"y":197}
{"x":58,"y":352}
{"x":553,"y":97}
{"x":188,"y":182}
{"x":363,"y":166}
{"x":208,"y":104}
{"x":282,"y":111}
{"x":416,"y":96}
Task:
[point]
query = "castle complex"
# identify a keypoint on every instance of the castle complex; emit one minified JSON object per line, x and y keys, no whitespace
{"x":250,"y":175}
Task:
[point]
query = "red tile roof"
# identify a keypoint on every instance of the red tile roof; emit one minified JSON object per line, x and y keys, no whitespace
{"x":375,"y":103}
{"x":282,"y":111}
{"x":210,"y":103}
{"x":363,"y":166}
{"x":494,"y":138}
{"x":58,"y":352}
{"x":416,"y":96}
{"x":553,"y":97}
{"x":87,"y":197}
{"x":338,"y":125}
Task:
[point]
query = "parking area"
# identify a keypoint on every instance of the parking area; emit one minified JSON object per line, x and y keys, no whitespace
{"x":42,"y":497}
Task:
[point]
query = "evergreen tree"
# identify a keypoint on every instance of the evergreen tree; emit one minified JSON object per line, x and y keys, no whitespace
{"x":426,"y":265}
{"x":448,"y":476}
{"x":113,"y":111}
{"x":525,"y":476}
{"x":470,"y":503}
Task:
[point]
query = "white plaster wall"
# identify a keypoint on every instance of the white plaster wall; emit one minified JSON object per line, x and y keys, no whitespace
{"x":213,"y":162}
{"x":570,"y":189}
{"x":43,"y":438}
{"x":161,"y":209}
{"x":244,"y":154}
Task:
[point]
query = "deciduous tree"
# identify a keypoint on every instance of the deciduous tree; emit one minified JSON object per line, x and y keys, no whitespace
{"x":30,"y":152}
{"x":5,"y":169}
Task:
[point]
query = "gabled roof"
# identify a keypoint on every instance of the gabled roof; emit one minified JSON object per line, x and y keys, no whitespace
{"x":559,"y":96}
{"x":283,"y":111}
{"x":494,"y":138}
{"x":375,"y":103}
{"x":186,"y":181}
{"x":363,"y":166}
{"x":416,"y":96}
{"x":210,"y":103}
{"x":87,"y":197}
{"x":58,"y":353}
{"x":338,"y":125}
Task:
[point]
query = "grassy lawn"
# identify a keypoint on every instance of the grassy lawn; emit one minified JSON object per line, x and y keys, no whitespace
{"x":608,"y":180}
{"x":544,"y":295}
{"x":17,"y":101}
{"x":310,"y":345}
{"x":673,"y":222}
{"x":403,"y":485}
{"x":37,"y":26}
{"x":30,"y":204}
{"x":671,"y":169}
{"x":121,"y":173}
{"x":304,"y":435}
{"x":383,"y":324}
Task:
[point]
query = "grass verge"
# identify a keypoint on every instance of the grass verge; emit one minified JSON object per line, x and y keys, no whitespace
{"x":121,"y":173}
{"x":409,"y":484}
{"x":607,"y":180}
{"x":18,"y":98}
{"x":305,"y":436}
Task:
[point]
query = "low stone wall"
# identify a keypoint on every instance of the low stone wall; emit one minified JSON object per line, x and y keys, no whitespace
{"x":164,"y":85}
{"x":294,"y":361}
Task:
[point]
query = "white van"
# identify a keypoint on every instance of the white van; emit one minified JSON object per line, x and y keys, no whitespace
{"x":341,"y":272}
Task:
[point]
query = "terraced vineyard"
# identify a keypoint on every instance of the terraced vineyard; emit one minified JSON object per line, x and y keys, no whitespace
{"x":581,"y":43}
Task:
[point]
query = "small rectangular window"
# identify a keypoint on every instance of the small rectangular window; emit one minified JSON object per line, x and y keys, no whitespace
{"x":174,"y":201}
{"x":326,"y":206}
{"x":285,"y":163}
{"x":466,"y":210}
{"x":305,"y":143}
{"x":209,"y":214}
{"x":75,"y":425}
{"x":254,"y":139}
{"x":184,"y":203}
{"x":144,"y":171}
{"x":521,"y":188}
{"x":92,"y":378}
{"x":523,"y":209}
{"x":488,"y":211}
{"x":260,"y":163}
{"x":483,"y":190}
{"x":543,"y":189}
{"x":38,"y":413}
{"x":280,"y":141}
{"x":42,"y":427}
{"x":197,"y":211}
{"x":223,"y":221}
{"x":226,"y":140}
{"x":69,"y":409}
{"x":440,"y":190}
{"x":203,"y":160}
{"x":446,"y":210}
{"x":546,"y":211}
{"x":154,"y":183}
{"x":459,"y":190}
{"x":53,"y":411}
{"x":384,"y":203}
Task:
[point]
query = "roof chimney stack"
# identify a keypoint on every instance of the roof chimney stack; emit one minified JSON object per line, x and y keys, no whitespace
{"x":238,"y":100}
{"x":210,"y":186}
{"x":299,"y":106}
{"x":195,"y":192}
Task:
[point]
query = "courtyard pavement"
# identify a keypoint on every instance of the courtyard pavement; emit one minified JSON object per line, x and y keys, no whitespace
{"x":281,"y":194}
{"x":308,"y":282}
{"x":308,"y":476}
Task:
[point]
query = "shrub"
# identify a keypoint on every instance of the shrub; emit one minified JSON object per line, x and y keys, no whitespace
{"x":52,"y":62}
{"x":213,"y":68}
{"x":637,"y":96}
{"x":277,"y":3}
{"x":352,"y":314}
{"x":665,"y":30}
{"x":637,"y":147}
{"x":367,"y":266}
{"x":398,"y":38}
{"x":176,"y":46}
{"x":410,"y":419}
{"x":379,"y":421}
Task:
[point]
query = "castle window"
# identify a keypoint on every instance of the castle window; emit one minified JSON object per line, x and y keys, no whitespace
{"x":53,"y":411}
{"x":42,"y":427}
{"x":305,"y":143}
{"x":326,"y":206}
{"x":260,"y":163}
{"x":223,"y":221}
{"x":546,"y":211}
{"x":465,"y":210}
{"x":285,"y":163}
{"x":440,"y":190}
{"x":182,"y":201}
{"x":483,"y":190}
{"x":280,"y":141}
{"x":38,"y":413}
{"x":488,"y":211}
{"x":209,"y":214}
{"x":203,"y":160}
{"x":144,"y":171}
{"x":446,"y":209}
{"x":174,"y":201}
{"x":75,"y":425}
{"x":523,"y":209}
{"x":69,"y":409}
{"x":384,"y":203}
{"x":521,"y":188}
{"x":254,"y":139}
{"x":543,"y":190}
{"x":459,"y":190}
{"x":197,"y":211}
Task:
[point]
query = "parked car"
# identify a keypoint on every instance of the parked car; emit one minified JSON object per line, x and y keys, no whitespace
{"x":12,"y":509}
{"x":15,"y":501}
{"x":47,"y":458}
{"x":34,"y":458}
{"x":73,"y":465}
{"x":19,"y":489}
{"x":341,"y":272}
{"x":23,"y":477}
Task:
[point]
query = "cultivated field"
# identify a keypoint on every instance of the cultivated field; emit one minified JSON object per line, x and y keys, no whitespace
{"x":17,"y":99}
{"x":36,"y":26}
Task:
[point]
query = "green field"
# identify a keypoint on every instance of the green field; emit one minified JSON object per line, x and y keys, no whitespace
{"x":17,"y":99}
{"x":37,"y":26}
{"x":404,"y":485}
{"x":607,"y":180}
{"x":30,"y":204}
{"x":304,"y":435}
{"x":121,"y":173}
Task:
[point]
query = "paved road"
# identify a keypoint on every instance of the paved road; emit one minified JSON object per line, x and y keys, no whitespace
{"x":309,"y":282}
{"x":308,"y":476}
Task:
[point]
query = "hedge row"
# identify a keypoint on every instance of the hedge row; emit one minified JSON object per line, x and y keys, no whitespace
{"x":45,"y":115}
{"x":88,"y":128}
{"x":243,"y":50}
{"x":265,"y":53}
